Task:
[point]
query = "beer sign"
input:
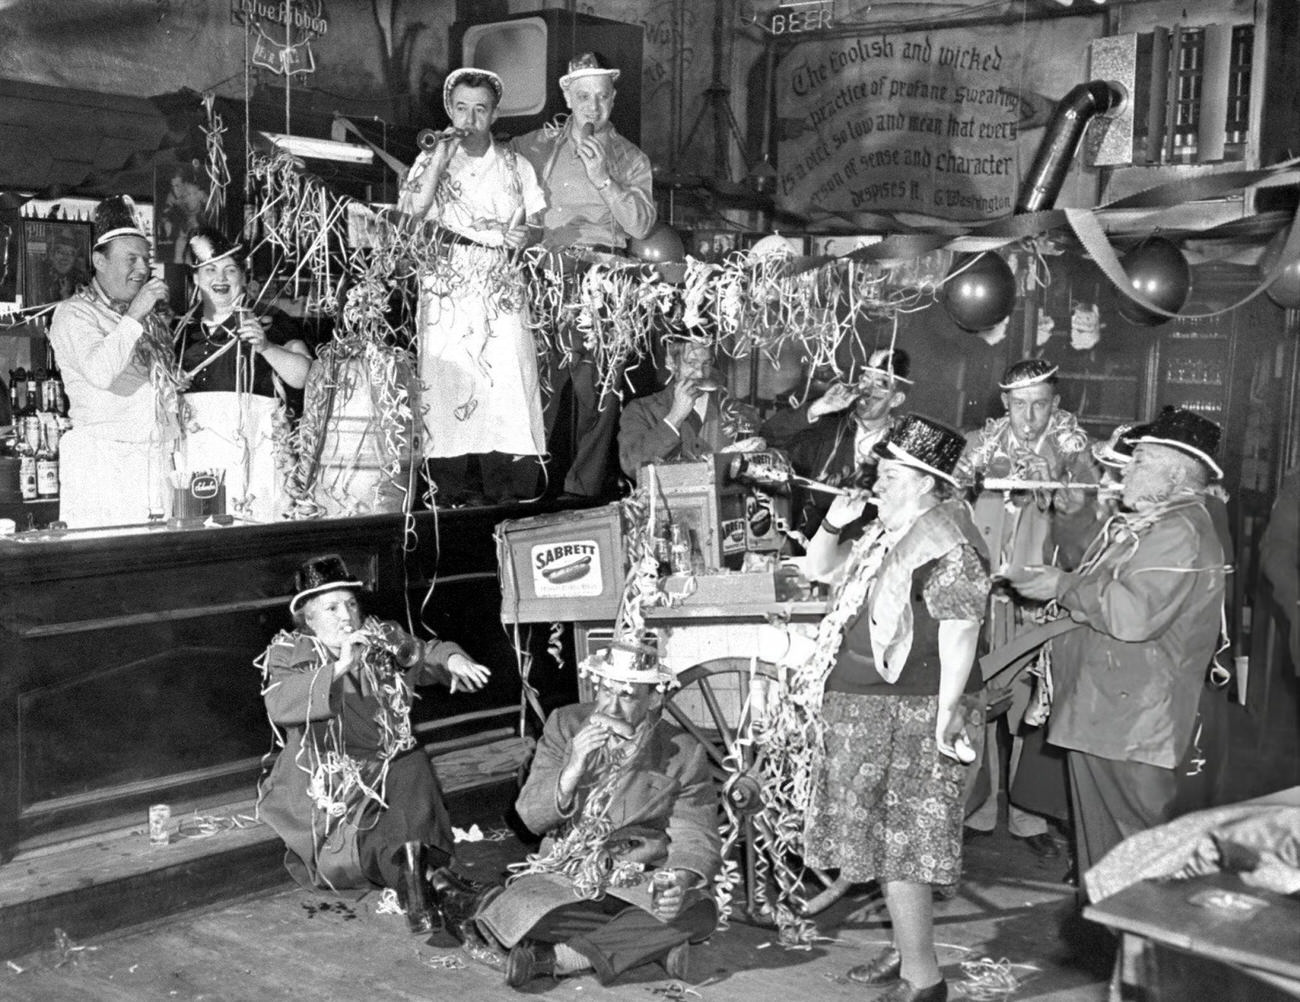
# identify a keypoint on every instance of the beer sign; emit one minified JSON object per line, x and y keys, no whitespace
{"x":282,"y":32}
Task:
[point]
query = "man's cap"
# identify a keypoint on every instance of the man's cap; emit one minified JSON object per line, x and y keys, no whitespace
{"x":1029,"y":372}
{"x":319,"y":575}
{"x":924,"y":444}
{"x":208,"y":244}
{"x":458,"y":77}
{"x":628,"y":661}
{"x":116,"y":217}
{"x":588,"y":64}
{"x":894,"y":363}
{"x":1186,"y":431}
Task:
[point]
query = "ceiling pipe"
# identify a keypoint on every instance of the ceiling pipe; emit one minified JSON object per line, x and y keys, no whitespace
{"x":1061,"y":140}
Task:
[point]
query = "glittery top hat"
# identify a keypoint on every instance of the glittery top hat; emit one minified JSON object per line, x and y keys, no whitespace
{"x":1187,"y":432}
{"x":116,"y":217}
{"x":628,"y":661}
{"x":1117,"y":451}
{"x":476,"y":77}
{"x":206,"y":245}
{"x":588,"y":64}
{"x":319,"y":575}
{"x":1030,"y":372}
{"x":925,"y":445}
{"x":894,"y":363}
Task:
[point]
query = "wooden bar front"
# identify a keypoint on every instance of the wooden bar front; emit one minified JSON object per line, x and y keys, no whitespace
{"x":127,"y":673}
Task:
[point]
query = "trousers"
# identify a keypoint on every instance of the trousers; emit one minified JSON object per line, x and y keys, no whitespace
{"x":617,"y":937}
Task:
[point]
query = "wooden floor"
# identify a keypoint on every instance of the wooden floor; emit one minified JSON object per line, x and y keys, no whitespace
{"x":287,"y":943}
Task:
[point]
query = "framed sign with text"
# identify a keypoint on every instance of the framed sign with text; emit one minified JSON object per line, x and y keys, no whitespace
{"x":931,"y":123}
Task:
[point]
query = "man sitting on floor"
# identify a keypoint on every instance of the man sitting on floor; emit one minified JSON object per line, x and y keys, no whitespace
{"x":628,"y":808}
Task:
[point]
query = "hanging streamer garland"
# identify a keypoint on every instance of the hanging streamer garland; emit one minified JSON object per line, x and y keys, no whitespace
{"x":218,"y":169}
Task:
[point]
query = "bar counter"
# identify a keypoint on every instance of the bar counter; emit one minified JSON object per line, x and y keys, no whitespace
{"x":127,"y":675}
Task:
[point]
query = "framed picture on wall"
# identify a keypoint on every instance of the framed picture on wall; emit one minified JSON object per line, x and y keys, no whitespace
{"x":55,"y":259}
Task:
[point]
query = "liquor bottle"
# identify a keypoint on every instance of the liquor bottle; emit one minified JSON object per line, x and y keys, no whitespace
{"x":15,"y":395}
{"x":26,"y":469}
{"x":17,"y":383}
{"x":31,"y":416}
{"x":47,"y":467}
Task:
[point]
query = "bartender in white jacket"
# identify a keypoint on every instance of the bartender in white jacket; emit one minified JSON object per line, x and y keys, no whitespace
{"x":115,"y":355}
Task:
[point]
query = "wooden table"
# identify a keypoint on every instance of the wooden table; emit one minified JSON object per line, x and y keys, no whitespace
{"x":1189,"y":948}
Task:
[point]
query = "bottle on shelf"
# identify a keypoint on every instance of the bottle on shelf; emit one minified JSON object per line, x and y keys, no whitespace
{"x":47,"y":467}
{"x":26,"y":468}
{"x":31,"y":416}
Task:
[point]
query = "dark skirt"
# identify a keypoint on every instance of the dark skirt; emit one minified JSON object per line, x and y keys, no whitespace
{"x":887,"y":805}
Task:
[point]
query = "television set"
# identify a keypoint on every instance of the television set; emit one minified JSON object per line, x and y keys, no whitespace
{"x":530,"y":52}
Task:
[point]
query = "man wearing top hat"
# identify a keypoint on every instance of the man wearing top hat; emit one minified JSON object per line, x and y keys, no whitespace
{"x":598,"y":195}
{"x":116,"y":356}
{"x":236,"y":370}
{"x":1147,"y":599}
{"x":1034,"y":441}
{"x":832,"y":439}
{"x":690,"y":418}
{"x":628,"y":809}
{"x":478,"y":362}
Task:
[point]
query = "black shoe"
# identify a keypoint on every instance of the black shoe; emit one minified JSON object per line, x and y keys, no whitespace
{"x":883,"y":969}
{"x":1042,"y":845}
{"x":677,"y":961}
{"x":905,"y":991}
{"x":529,"y":959}
{"x":456,"y":898}
{"x":414,"y":892}
{"x":969,"y":834}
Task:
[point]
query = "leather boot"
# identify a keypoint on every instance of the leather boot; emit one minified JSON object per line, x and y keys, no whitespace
{"x":457,"y":898}
{"x":414,"y":892}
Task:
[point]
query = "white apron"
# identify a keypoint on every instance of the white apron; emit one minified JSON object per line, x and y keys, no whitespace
{"x":478,"y":366}
{"x":106,"y":482}
{"x":234,"y":432}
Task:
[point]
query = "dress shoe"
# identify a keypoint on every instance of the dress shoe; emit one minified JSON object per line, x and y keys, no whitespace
{"x":882,"y":969}
{"x":905,"y":991}
{"x":529,"y":959}
{"x":969,"y":834}
{"x":456,"y":898}
{"x":677,"y":961}
{"x":1042,"y":845}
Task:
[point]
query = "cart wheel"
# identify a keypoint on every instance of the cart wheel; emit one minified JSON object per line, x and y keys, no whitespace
{"x":708,"y":704}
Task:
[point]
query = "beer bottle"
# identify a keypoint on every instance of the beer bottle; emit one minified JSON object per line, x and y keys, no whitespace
{"x":47,"y":467}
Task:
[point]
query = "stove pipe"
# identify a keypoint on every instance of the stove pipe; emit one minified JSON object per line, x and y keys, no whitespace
{"x":1061,"y":141}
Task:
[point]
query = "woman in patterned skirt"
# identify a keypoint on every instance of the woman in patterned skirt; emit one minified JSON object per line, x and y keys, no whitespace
{"x":897,"y":648}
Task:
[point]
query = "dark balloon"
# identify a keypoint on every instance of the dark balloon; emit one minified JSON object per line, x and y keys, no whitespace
{"x":663,"y":248}
{"x":1285,"y":290}
{"x":979,"y":294}
{"x":1159,"y":272}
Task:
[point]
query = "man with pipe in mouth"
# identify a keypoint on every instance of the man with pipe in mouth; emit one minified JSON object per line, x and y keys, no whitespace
{"x":690,"y":418}
{"x":598,"y":195}
{"x":478,"y":363}
{"x":627,"y":807}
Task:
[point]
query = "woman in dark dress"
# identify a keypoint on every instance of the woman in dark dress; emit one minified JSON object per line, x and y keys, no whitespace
{"x":896,"y":650}
{"x":238,"y":371}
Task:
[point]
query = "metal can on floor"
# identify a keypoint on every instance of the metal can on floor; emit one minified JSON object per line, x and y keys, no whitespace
{"x":160,"y":819}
